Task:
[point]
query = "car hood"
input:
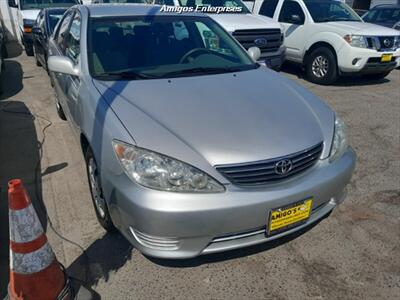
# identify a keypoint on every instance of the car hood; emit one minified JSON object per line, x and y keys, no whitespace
{"x":232,"y":22}
{"x":225,"y":118}
{"x":30,"y":14}
{"x":362,"y":28}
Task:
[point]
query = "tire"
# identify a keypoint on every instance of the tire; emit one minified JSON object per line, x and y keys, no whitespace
{"x":377,"y":76}
{"x":99,"y":203}
{"x":37,"y":61}
{"x":60,"y":111}
{"x":321,"y":66}
{"x":29,"y":50}
{"x":4,"y":52}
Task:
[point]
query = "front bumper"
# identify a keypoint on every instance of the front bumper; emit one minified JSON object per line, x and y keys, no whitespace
{"x":179,"y":225}
{"x":365,"y":61}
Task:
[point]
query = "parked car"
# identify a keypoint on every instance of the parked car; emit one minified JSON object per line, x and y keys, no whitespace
{"x":42,"y":30}
{"x":3,"y":50}
{"x":385,"y":15}
{"x":250,"y":30}
{"x":27,"y":12}
{"x":330,"y":39}
{"x":187,"y":149}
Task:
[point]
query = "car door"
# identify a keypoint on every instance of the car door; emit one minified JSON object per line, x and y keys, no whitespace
{"x":41,"y":39}
{"x":58,"y":48}
{"x":292,"y":17}
{"x":72,"y":50}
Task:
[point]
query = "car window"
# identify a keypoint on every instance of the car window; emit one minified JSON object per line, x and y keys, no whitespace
{"x":73,"y":40}
{"x":383,"y":15}
{"x":161,"y":45}
{"x":289,"y":9}
{"x":53,"y":18}
{"x":63,"y":29}
{"x":41,"y":23}
{"x":268,"y":8}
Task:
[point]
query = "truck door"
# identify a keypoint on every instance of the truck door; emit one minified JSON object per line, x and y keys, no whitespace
{"x":292,"y":17}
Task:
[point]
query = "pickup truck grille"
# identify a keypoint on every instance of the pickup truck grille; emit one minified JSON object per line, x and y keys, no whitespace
{"x":248,"y":38}
{"x":381,"y":43}
{"x":263,"y":172}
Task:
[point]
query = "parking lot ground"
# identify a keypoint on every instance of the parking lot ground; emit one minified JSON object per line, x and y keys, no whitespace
{"x":352,"y":254}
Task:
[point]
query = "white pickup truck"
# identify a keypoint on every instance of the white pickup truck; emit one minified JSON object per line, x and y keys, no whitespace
{"x":27,"y":12}
{"x":250,"y":30}
{"x":330,"y":39}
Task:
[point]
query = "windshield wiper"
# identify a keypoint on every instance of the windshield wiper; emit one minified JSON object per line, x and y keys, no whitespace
{"x":201,"y":70}
{"x":127,"y":75}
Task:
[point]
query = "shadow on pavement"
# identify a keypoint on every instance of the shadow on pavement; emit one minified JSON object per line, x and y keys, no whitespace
{"x":107,"y":254}
{"x":233,"y":254}
{"x":297,"y":70}
{"x":19,"y":158}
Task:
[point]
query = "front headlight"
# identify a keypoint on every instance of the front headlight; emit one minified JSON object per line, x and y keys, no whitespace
{"x":339,"y":144}
{"x":356,"y":40}
{"x":160,"y":172}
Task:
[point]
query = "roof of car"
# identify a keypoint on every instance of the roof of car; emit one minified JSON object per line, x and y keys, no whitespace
{"x":115,"y":10}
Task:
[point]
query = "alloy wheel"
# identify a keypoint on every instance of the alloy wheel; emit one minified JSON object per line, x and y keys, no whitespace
{"x":95,"y":187}
{"x":320,"y":66}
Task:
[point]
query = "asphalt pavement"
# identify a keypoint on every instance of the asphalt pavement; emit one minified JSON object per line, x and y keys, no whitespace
{"x":352,"y":254}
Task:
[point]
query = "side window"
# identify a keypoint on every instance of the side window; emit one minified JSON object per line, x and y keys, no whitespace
{"x":73,"y":40}
{"x":63,"y":29}
{"x":268,"y":8}
{"x":41,"y":23}
{"x":291,"y":12}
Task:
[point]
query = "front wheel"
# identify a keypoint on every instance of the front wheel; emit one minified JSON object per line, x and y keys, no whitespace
{"x":321,"y":66}
{"x":99,"y":203}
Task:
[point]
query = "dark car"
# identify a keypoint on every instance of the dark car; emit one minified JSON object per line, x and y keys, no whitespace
{"x":3,"y":50}
{"x":385,"y":15}
{"x":46,"y":22}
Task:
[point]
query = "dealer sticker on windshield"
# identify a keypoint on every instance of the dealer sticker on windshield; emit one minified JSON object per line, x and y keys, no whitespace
{"x":287,"y":217}
{"x":386,"y":57}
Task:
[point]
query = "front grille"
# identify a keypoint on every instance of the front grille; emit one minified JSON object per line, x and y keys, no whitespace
{"x":381,"y":43}
{"x":248,"y":37}
{"x":264,"y":172}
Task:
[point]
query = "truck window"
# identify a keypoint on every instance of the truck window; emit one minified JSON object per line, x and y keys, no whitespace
{"x":39,"y":4}
{"x":268,"y":8}
{"x":289,"y":9}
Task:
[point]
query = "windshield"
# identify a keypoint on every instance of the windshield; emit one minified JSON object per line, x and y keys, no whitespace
{"x":161,"y":47}
{"x":383,"y":15}
{"x":233,"y":6}
{"x":331,"y":11}
{"x":39,"y":4}
{"x":54,"y":17}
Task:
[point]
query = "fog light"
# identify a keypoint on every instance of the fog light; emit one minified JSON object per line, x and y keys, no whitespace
{"x":155,"y":242}
{"x":355,"y":61}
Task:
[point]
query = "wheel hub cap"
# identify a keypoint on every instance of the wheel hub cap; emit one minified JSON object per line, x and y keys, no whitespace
{"x":320,"y":66}
{"x":96,"y":189}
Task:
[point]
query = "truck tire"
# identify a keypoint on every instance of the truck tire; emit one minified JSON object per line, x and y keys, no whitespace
{"x":321,"y":66}
{"x":99,"y":203}
{"x":29,"y":50}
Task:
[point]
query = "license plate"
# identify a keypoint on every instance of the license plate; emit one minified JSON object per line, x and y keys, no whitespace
{"x":289,"y":216}
{"x":386,"y":57}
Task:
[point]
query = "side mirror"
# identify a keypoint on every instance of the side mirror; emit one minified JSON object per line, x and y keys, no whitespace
{"x":255,"y":53}
{"x":62,"y":64}
{"x":12,"y":3}
{"x":36,"y":30}
{"x":296,"y":19}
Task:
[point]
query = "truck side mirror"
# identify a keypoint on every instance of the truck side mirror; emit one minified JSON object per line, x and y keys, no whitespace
{"x":296,"y":19}
{"x":36,"y":30}
{"x":12,"y":3}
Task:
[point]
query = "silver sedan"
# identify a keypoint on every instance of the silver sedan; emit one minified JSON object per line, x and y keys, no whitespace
{"x":192,"y":147}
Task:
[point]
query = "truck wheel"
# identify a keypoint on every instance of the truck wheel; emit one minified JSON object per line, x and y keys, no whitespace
{"x":99,"y":203}
{"x":321,"y":66}
{"x":29,"y":50}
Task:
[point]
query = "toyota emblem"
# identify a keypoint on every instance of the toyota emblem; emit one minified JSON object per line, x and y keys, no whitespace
{"x":283,"y":166}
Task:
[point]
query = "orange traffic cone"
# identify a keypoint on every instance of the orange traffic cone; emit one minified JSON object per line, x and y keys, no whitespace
{"x":34,"y":270}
